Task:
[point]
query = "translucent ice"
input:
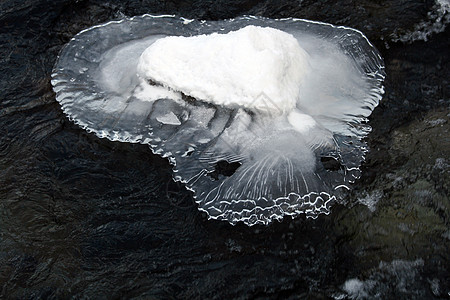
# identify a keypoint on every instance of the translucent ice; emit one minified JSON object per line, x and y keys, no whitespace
{"x":261,"y":118}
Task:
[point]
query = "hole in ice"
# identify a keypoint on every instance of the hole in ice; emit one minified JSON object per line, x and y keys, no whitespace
{"x":224,"y":168}
{"x":250,"y":111}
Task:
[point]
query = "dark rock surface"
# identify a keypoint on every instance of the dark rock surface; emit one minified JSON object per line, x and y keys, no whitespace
{"x":81,"y":216}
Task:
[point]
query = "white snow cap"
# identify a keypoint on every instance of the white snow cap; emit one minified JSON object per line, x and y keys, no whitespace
{"x":253,"y":67}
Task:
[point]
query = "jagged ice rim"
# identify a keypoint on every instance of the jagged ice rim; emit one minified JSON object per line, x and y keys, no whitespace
{"x":375,"y":96}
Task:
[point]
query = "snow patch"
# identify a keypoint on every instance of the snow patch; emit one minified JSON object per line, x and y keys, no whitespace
{"x":232,"y":69}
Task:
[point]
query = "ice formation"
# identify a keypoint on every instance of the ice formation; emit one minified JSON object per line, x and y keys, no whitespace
{"x":260,"y":118}
{"x":230,"y":69}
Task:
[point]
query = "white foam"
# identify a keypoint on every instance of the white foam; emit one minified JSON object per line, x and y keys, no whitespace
{"x":237,"y":68}
{"x":355,"y":288}
{"x":436,"y":22}
{"x":397,"y":276}
{"x":371,"y":200}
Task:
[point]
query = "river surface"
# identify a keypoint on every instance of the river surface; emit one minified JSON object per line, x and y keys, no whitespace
{"x":83,"y":217}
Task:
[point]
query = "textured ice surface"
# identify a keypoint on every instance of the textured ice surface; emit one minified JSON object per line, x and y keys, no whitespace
{"x":243,"y":163}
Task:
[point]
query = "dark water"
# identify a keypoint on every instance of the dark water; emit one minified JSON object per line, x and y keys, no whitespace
{"x":83,"y":217}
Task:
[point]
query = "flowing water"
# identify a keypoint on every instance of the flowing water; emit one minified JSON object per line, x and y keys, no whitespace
{"x":84,"y":217}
